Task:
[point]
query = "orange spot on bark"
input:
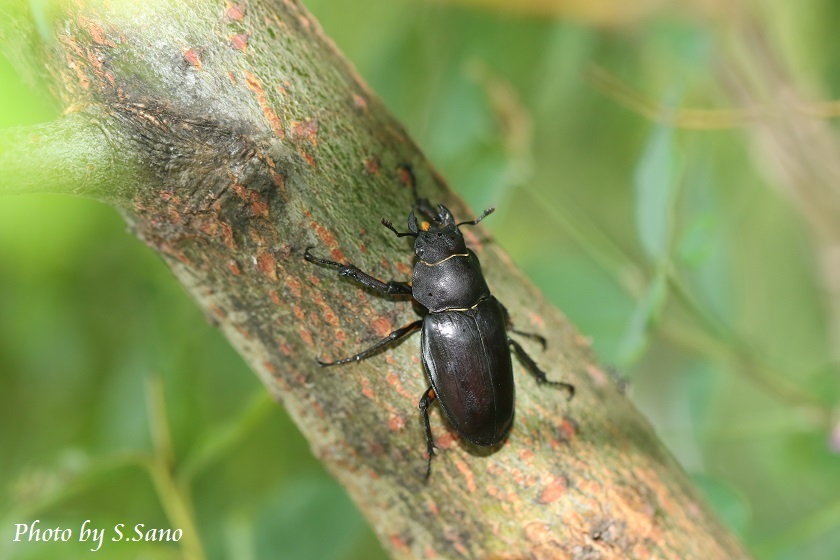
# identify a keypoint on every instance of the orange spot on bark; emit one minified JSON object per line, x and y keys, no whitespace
{"x":398,"y":543}
{"x":305,"y":130}
{"x":537,"y":320}
{"x":394,"y":381}
{"x":239,"y":41}
{"x":537,"y":532}
{"x":597,"y":375}
{"x":372,"y":165}
{"x":234,"y":267}
{"x":286,"y":349}
{"x":568,"y":429}
{"x":279,"y":180}
{"x":98,"y":35}
{"x":255,"y":85}
{"x":324,"y":234}
{"x":294,"y":287}
{"x":366,"y":389}
{"x":270,"y":367}
{"x":193,"y":58}
{"x":382,"y":326}
{"x":432,"y":507}
{"x":403,"y":268}
{"x":445,"y":441}
{"x":307,"y":157}
{"x":275,"y":297}
{"x":298,"y":312}
{"x":260,"y":208}
{"x":306,"y":337}
{"x":526,"y":455}
{"x":267,"y":265}
{"x":553,"y":491}
{"x":317,"y":408}
{"x":227,"y":232}
{"x":396,"y":423}
{"x":235,"y":12}
{"x":218,"y":311}
{"x":359,"y":102}
{"x":243,"y":331}
{"x":464,"y":469}
{"x":329,"y":316}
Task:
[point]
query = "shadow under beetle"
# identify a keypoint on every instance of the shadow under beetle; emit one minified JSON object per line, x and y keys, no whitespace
{"x":464,"y":341}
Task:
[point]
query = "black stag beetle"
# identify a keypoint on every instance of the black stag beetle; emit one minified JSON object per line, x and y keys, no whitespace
{"x":464,"y":343}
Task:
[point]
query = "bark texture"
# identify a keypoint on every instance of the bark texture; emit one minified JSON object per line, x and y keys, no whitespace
{"x":240,"y":136}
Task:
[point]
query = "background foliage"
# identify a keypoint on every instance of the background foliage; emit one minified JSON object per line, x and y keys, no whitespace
{"x":678,"y":249}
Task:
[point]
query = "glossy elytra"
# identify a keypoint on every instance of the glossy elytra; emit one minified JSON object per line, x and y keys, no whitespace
{"x":464,"y":341}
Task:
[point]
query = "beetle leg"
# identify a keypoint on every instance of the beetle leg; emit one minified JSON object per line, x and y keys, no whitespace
{"x":509,"y":323}
{"x":535,"y":370}
{"x":387,"y":223}
{"x":396,"y":335}
{"x":425,"y":402}
{"x":422,"y":204}
{"x":351,"y":271}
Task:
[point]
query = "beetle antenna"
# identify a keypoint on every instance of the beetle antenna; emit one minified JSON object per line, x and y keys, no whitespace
{"x":483,"y":215}
{"x":387,"y":223}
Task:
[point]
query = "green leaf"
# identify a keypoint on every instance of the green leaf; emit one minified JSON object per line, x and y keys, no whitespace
{"x":643,"y":319}
{"x":655,"y":182}
{"x":729,"y":504}
{"x":287,"y":523}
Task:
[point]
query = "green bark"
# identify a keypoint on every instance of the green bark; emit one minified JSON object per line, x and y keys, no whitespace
{"x":233,"y":136}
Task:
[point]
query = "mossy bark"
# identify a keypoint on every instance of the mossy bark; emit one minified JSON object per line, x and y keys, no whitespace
{"x":232,"y":137}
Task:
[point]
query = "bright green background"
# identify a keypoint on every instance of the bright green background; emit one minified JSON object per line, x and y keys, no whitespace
{"x":596,"y":203}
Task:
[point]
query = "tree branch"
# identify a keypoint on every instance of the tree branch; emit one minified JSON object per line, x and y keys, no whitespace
{"x":250,"y":139}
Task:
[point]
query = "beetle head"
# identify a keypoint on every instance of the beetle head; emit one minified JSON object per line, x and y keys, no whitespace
{"x":438,"y":239}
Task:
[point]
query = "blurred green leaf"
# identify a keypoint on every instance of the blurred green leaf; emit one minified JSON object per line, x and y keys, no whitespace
{"x":729,"y":504}
{"x":655,"y":182}
{"x":645,"y":315}
{"x":285,"y":530}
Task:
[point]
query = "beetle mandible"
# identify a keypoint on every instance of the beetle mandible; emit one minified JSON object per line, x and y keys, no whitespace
{"x":464,"y":343}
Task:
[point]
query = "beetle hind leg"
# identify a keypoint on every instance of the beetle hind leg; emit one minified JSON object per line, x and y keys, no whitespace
{"x":425,"y":402}
{"x":535,"y":370}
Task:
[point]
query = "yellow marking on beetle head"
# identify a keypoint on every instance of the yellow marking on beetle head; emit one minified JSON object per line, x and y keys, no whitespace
{"x":425,"y":226}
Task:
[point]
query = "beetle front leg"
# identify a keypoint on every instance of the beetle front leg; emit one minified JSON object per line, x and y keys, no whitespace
{"x":425,"y":402}
{"x":351,"y":271}
{"x":535,"y":370}
{"x":396,"y":335}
